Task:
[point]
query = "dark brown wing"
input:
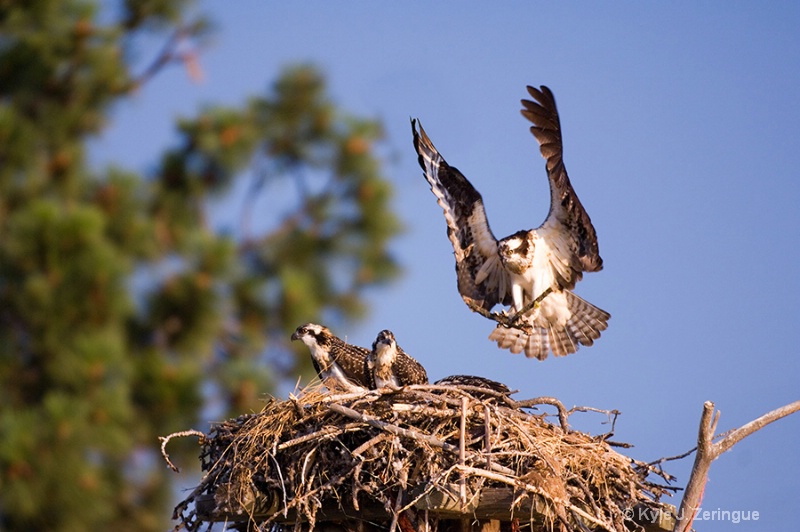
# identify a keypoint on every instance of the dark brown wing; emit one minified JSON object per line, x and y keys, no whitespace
{"x":475,"y":382}
{"x":407,"y":370}
{"x":567,"y":218}
{"x":352,"y":359}
{"x":482,"y":281}
{"x":317,"y":367}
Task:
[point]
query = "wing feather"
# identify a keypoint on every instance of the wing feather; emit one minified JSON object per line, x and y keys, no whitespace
{"x":407,"y":370}
{"x":352,"y":360}
{"x":482,"y":280}
{"x":567,"y":226}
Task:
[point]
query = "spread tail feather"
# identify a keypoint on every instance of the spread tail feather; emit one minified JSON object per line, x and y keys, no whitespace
{"x":583,"y":327}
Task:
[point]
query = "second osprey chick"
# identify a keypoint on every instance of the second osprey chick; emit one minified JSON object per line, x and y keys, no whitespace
{"x":391,"y":366}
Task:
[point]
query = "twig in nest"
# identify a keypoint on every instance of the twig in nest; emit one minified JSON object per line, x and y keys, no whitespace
{"x":165,"y":440}
{"x":462,"y":448}
{"x":612,"y":414}
{"x":398,"y":503}
{"x":656,"y":469}
{"x":487,"y":435}
{"x":327,"y":431}
{"x":670,"y":458}
{"x":563,"y":414}
{"x":283,"y":485}
{"x":375,"y":440}
{"x":406,"y":433}
{"x":539,"y":491}
{"x":344,"y":397}
{"x":524,"y":434}
{"x":394,"y":429}
{"x":296,"y":402}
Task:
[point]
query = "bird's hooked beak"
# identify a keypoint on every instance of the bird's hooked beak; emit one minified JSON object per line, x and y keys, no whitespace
{"x":296,"y":335}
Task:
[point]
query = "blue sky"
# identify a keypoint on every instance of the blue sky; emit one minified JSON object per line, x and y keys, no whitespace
{"x":680,"y":124}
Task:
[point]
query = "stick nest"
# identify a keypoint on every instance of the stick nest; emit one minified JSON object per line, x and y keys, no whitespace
{"x":432,"y":452}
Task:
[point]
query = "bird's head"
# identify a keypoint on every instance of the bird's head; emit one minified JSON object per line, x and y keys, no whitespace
{"x":385,"y":346}
{"x":312,"y":334}
{"x":318,"y":339}
{"x":516,"y":251}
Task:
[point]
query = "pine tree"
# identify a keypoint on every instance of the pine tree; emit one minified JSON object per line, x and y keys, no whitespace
{"x":122,"y":310}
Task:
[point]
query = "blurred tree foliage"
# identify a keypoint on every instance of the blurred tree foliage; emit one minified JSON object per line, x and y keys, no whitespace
{"x":122,"y":312}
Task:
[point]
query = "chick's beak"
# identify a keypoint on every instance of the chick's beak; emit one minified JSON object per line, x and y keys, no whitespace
{"x":385,"y":338}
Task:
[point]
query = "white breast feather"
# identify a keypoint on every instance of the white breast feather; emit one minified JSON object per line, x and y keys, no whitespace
{"x":540,"y":276}
{"x":383,"y":383}
{"x":383,"y":365}
{"x":321,"y":355}
{"x":556,"y":244}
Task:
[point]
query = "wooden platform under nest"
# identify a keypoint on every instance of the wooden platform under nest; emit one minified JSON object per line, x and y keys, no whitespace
{"x":423,"y":458}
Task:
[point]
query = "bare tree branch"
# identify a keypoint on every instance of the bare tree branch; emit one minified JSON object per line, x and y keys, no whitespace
{"x":757,"y":424}
{"x":707,"y":452}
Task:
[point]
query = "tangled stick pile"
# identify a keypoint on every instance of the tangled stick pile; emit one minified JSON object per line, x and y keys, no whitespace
{"x":414,"y":458}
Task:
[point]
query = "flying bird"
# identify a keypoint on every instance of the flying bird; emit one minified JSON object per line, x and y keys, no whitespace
{"x":390,"y":366}
{"x":340,"y":365}
{"x":531,"y":271}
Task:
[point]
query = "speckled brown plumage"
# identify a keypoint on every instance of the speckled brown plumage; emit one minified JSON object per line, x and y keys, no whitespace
{"x":391,"y":366}
{"x":474,"y":381}
{"x":339,"y":364}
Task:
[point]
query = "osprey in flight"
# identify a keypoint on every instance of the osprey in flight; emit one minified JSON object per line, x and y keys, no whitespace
{"x":340,"y":365}
{"x":391,"y":366}
{"x":533,"y":271}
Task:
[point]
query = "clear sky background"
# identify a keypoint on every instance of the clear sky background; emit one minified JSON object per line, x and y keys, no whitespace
{"x":682,"y":138}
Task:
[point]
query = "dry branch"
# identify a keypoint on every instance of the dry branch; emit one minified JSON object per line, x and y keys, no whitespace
{"x":707,"y":452}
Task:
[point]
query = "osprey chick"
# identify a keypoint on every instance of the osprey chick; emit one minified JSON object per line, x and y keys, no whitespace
{"x":538,"y":266}
{"x":391,"y":366}
{"x":340,"y":365}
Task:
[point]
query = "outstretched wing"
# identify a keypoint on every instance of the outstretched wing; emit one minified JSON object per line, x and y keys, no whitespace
{"x":567,"y":228}
{"x":482,"y":280}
